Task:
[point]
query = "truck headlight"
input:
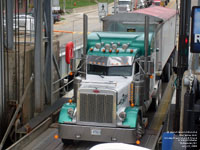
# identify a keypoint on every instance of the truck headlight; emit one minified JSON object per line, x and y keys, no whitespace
{"x":124,"y":46}
{"x":122,"y":115}
{"x":98,"y":45}
{"x":70,"y":112}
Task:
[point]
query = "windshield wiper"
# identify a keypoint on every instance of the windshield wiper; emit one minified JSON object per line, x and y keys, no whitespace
{"x":124,"y":76}
{"x":101,"y":76}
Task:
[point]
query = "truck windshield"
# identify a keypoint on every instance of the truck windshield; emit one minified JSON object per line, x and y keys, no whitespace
{"x":123,"y":2}
{"x":109,"y":71}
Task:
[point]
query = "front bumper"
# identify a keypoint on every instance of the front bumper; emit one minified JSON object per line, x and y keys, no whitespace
{"x":101,"y":134}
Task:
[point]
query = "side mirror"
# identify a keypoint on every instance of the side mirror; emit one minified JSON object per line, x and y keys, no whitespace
{"x":73,"y":64}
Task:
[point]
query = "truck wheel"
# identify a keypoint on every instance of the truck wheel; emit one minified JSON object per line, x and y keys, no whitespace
{"x":139,"y":128}
{"x":154,"y":104}
{"x":166,"y":73}
{"x":67,"y":141}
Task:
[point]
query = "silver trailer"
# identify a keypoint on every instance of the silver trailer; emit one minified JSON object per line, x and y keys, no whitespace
{"x":161,"y":23}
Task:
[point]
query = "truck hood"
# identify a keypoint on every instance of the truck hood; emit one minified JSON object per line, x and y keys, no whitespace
{"x":118,"y":83}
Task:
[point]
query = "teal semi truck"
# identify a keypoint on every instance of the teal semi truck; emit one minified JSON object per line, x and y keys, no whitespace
{"x":125,"y":65}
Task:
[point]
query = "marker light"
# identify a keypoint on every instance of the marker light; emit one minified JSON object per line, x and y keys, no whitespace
{"x":56,"y":136}
{"x":70,"y":101}
{"x":91,"y":49}
{"x":132,"y":105}
{"x":117,"y":51}
{"x":138,"y":142}
{"x":103,"y":50}
{"x":110,"y":51}
{"x":131,"y":51}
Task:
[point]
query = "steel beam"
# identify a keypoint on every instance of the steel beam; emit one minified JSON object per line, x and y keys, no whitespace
{"x":85,"y":37}
{"x":39,"y":56}
{"x":2,"y":98}
{"x":146,"y":45}
{"x":49,"y":51}
{"x":184,"y":28}
{"x":9,"y":24}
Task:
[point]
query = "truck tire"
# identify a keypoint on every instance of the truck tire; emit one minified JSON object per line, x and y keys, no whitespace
{"x":156,"y":101}
{"x":166,"y":73}
{"x":139,"y":128}
{"x":154,"y":104}
{"x":67,"y":141}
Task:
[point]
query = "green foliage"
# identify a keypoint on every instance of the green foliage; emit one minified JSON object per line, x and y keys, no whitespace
{"x":70,"y":4}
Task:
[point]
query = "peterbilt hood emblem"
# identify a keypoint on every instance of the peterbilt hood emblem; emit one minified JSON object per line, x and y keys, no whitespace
{"x":98,"y":85}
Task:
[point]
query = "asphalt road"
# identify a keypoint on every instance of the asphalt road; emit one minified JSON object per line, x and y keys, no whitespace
{"x":71,"y":28}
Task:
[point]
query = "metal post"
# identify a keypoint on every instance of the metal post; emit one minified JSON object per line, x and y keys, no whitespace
{"x":115,"y":6}
{"x":39,"y":57}
{"x":146,"y":31}
{"x":49,"y":51}
{"x":146,"y":45}
{"x":2,"y":98}
{"x":64,"y":5}
{"x":85,"y":34}
{"x":9,"y":24}
{"x":184,"y":24}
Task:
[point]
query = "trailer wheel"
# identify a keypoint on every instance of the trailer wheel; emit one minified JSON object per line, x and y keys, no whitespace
{"x":171,"y":65}
{"x":156,"y":101}
{"x":67,"y":141}
{"x":166,"y":73}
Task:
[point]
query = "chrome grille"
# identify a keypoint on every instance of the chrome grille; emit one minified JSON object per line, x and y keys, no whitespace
{"x":96,"y":108}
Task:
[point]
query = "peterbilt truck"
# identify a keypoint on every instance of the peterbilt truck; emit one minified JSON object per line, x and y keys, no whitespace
{"x":125,"y":65}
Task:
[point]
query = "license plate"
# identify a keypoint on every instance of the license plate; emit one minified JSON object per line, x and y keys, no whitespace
{"x":95,"y":131}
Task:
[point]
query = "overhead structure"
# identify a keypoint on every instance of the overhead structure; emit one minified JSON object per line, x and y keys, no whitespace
{"x":2,"y":98}
{"x":183,"y":50}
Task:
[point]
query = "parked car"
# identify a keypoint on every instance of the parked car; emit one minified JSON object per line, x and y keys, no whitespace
{"x":24,"y":19}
